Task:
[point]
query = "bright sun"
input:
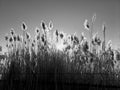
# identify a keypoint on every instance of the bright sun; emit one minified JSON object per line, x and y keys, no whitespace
{"x":60,"y":46}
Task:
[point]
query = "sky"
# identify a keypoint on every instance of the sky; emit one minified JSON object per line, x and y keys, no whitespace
{"x":66,"y":15}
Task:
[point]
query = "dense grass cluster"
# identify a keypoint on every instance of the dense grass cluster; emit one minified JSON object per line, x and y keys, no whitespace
{"x":59,"y":58}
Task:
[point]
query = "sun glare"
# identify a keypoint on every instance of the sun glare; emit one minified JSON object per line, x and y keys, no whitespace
{"x":60,"y":46}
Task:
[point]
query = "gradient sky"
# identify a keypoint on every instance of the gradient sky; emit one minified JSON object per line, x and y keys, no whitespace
{"x":66,"y":15}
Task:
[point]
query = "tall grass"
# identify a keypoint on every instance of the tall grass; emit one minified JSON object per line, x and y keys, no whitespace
{"x":59,"y":58}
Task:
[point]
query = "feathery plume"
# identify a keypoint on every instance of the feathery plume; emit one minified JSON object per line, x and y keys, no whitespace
{"x":85,"y":46}
{"x":25,"y":42}
{"x":76,"y":40}
{"x":109,"y":44}
{"x":15,"y":37}
{"x":68,"y":39}
{"x":71,"y":37}
{"x":86,"y":25}
{"x":33,"y":44}
{"x":27,"y":35}
{"x":18,"y":37}
{"x":37,"y":30}
{"x":6,"y":37}
{"x":99,"y":41}
{"x":50,"y":25}
{"x":24,"y":26}
{"x":96,"y":39}
{"x":56,"y":33}
{"x":62,"y":34}
{"x":43,"y":25}
{"x":38,"y":37}
{"x":43,"y":38}
{"x":12,"y":31}
{"x":82,"y":42}
{"x":10,"y":39}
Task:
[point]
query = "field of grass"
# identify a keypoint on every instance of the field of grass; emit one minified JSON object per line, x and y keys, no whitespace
{"x":58,"y":60}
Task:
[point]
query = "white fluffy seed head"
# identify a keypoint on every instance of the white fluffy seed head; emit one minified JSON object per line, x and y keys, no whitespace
{"x":86,"y":25}
{"x":6,"y":37}
{"x":109,"y":44}
{"x":24,"y":26}
{"x":43,"y":25}
{"x":50,"y":25}
{"x":28,"y":35}
{"x":12,"y":31}
{"x":37,"y":30}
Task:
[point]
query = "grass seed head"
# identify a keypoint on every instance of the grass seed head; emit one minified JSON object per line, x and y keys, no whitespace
{"x":38,"y":37}
{"x":85,"y":46}
{"x":25,"y":42}
{"x":18,"y":37}
{"x":12,"y":31}
{"x":50,"y":25}
{"x":76,"y":40}
{"x":43,"y":38}
{"x":6,"y":37}
{"x":99,"y":41}
{"x":43,"y":25}
{"x":15,"y":37}
{"x":71,"y":37}
{"x":24,"y":26}
{"x":10,"y":39}
{"x":37,"y":30}
{"x":86,"y":25}
{"x":56,"y":32}
{"x":28,"y":35}
{"x":33,"y":44}
{"x":96,"y":39}
{"x":109,"y":44}
{"x":62,"y":35}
